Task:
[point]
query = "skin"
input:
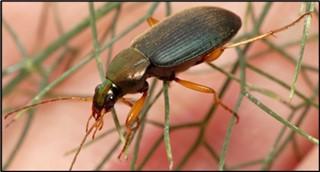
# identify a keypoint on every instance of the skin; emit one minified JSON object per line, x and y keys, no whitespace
{"x":60,"y":126}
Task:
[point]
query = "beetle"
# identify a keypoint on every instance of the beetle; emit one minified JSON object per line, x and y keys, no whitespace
{"x":183,"y":40}
{"x":186,"y":39}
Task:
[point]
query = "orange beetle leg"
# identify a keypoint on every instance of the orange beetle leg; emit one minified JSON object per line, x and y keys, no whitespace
{"x":205,"y":89}
{"x":132,"y":122}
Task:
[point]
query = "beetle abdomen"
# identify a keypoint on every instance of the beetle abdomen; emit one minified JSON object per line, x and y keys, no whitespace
{"x":186,"y":35}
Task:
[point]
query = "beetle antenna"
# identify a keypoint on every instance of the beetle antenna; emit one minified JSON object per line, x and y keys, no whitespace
{"x":43,"y":102}
{"x":88,"y":122}
{"x":268,"y":33}
{"x":97,"y":125}
{"x":80,"y":147}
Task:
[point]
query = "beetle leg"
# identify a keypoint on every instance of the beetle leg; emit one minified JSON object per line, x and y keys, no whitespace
{"x":126,"y":101}
{"x":213,"y":55}
{"x":152,"y":21}
{"x":132,"y":122}
{"x":205,"y":89}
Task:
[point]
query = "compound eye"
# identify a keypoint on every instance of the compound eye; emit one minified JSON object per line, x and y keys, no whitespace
{"x":110,"y":97}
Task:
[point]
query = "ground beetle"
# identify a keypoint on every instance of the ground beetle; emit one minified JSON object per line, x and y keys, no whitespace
{"x":183,"y":40}
{"x":174,"y":45}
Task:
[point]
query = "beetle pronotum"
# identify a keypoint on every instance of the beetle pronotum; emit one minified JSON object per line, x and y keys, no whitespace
{"x":187,"y":38}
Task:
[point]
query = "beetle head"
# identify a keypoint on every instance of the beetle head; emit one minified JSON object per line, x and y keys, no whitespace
{"x":105,"y":96}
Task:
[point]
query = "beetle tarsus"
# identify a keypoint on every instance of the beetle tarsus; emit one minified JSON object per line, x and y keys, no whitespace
{"x":129,"y":136}
{"x":230,"y":110}
{"x":125,"y":145}
{"x":132,"y":122}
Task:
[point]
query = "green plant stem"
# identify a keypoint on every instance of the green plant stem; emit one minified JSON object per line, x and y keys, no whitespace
{"x":95,"y":40}
{"x":280,"y":82}
{"x":136,"y":147}
{"x":306,"y":28}
{"x":176,"y":126}
{"x":57,"y":18}
{"x":166,"y":132}
{"x":118,"y":126}
{"x":168,"y":9}
{"x":212,"y":153}
{"x":280,"y":119}
{"x":26,"y":66}
{"x":15,"y":81}
{"x":232,"y":121}
{"x":274,"y":153}
{"x":17,"y":41}
{"x":113,"y":33}
{"x":262,"y":17}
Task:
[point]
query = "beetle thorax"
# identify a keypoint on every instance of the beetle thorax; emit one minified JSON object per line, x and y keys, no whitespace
{"x":128,"y":70}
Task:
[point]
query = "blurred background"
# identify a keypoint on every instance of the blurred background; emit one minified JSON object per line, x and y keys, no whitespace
{"x":50,"y":43}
